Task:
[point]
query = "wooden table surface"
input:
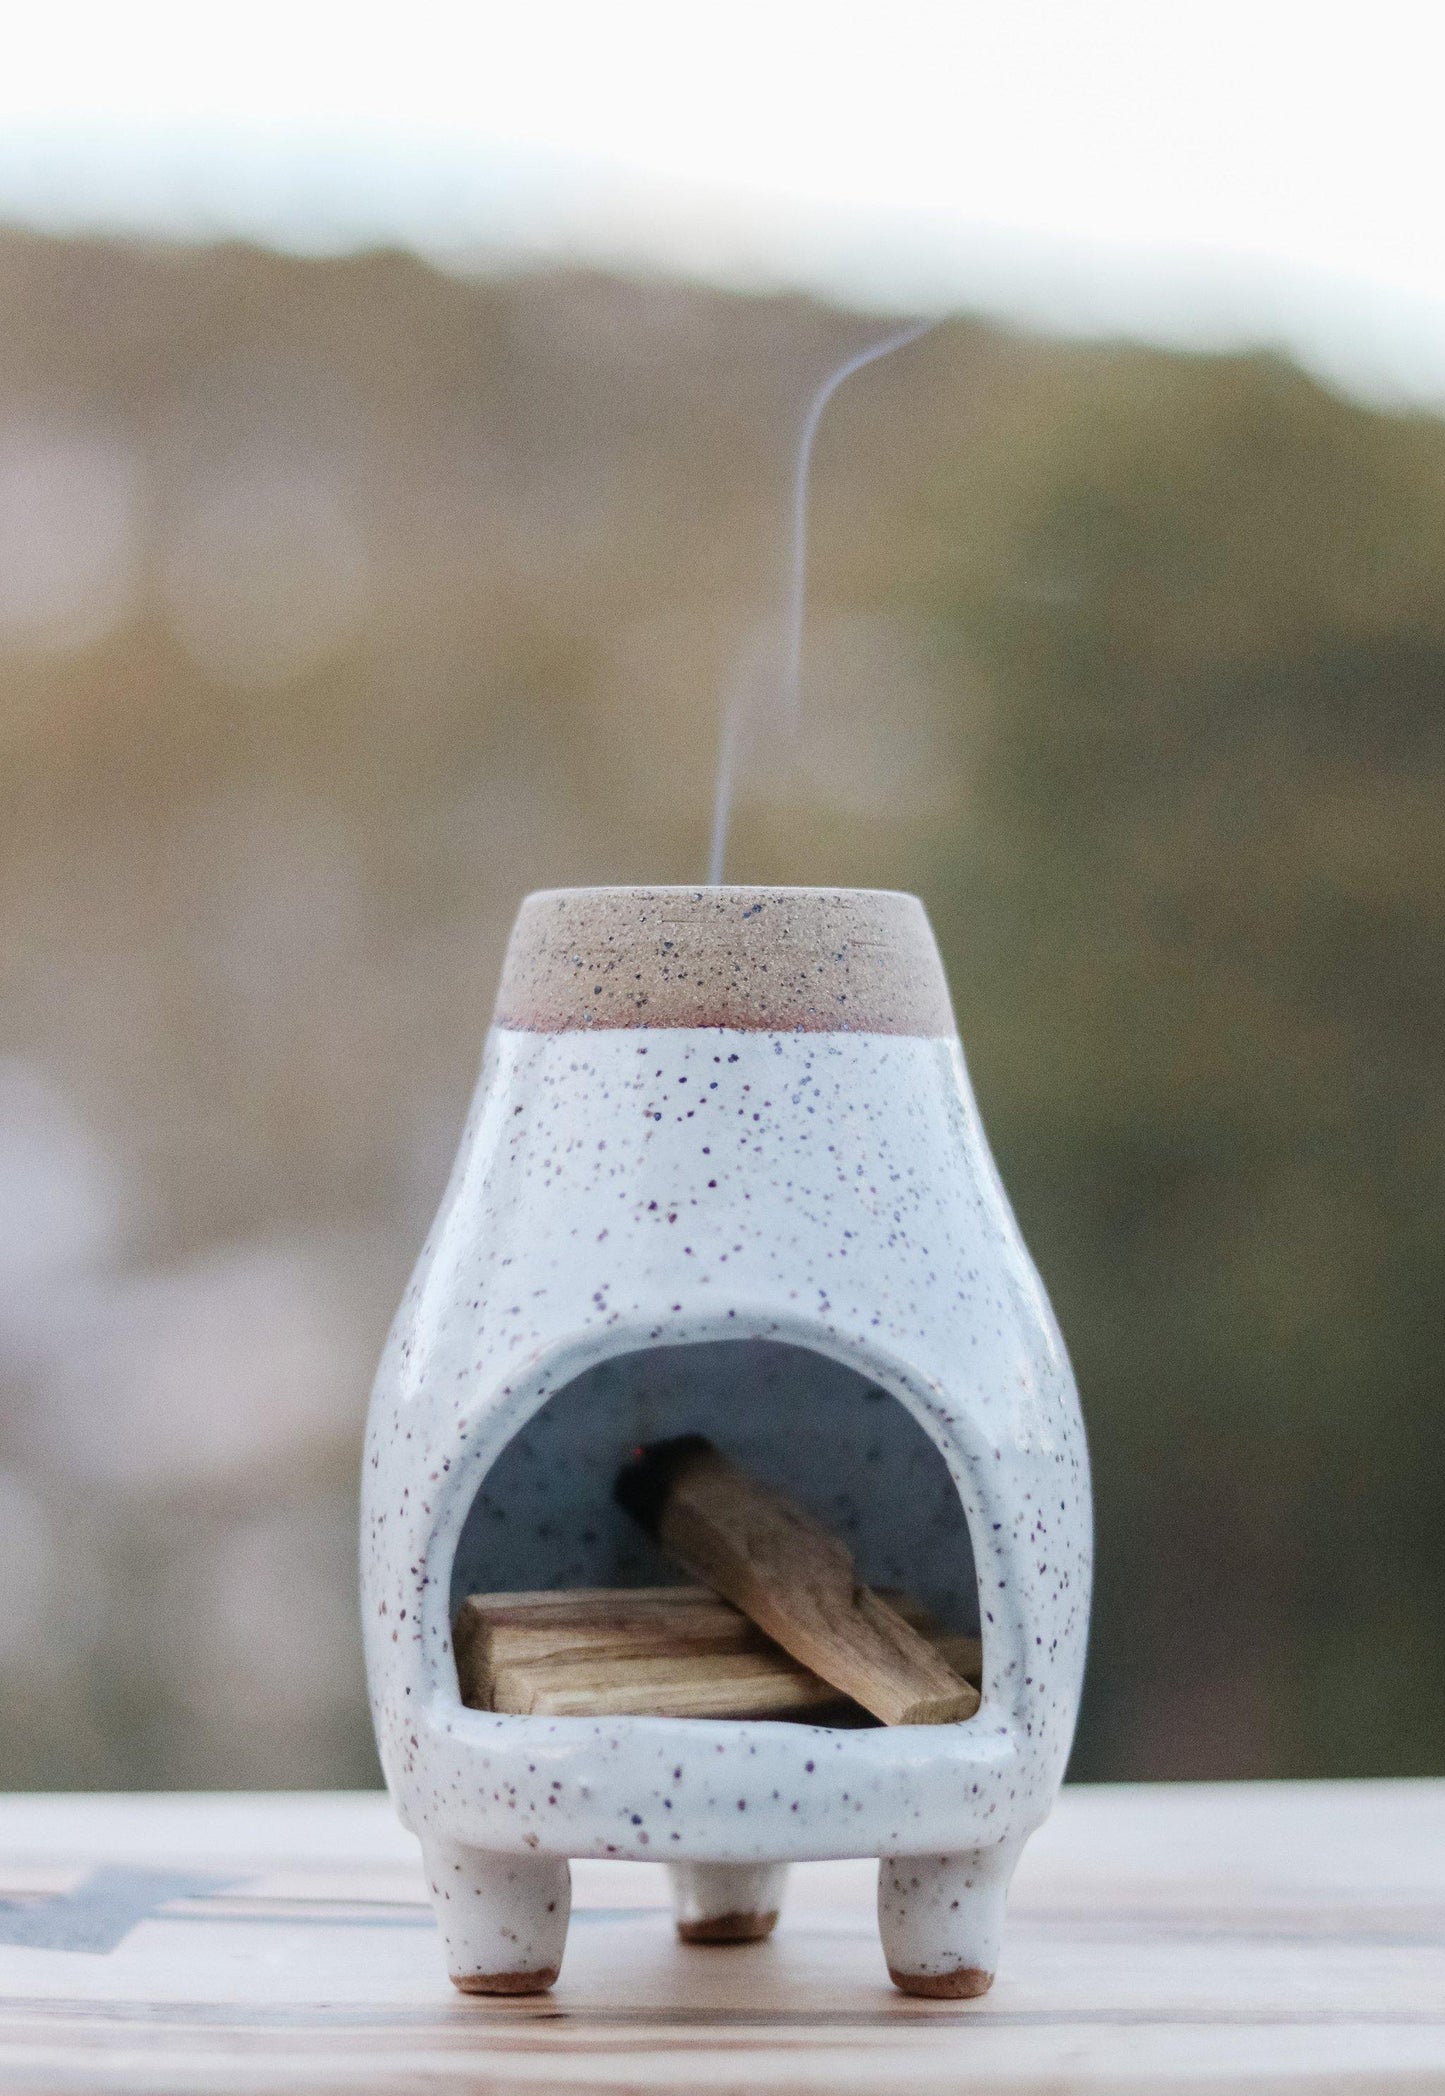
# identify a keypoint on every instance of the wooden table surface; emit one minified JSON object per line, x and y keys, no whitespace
{"x":1192,"y":1937}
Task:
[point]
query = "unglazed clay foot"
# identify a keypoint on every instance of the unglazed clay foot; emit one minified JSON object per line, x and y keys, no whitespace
{"x":506,"y":1982}
{"x":729,"y":1928}
{"x":941,"y":1920}
{"x":503,"y":1919}
{"x":964,"y":1984}
{"x":726,"y":1902}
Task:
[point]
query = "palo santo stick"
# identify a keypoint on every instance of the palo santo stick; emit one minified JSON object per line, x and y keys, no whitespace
{"x":784,"y":1570}
{"x":962,"y":1652}
{"x":908,"y":1606}
{"x":496,"y":1630}
{"x":761,"y":1684}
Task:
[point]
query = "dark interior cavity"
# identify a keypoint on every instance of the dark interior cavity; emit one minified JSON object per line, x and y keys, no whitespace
{"x":544,"y":1515}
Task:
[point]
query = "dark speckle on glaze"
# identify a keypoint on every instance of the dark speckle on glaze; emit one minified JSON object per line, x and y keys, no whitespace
{"x":629,"y":1187}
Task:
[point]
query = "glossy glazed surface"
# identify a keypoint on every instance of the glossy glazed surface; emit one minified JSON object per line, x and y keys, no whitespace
{"x":684,"y":1138}
{"x":834,"y":1192}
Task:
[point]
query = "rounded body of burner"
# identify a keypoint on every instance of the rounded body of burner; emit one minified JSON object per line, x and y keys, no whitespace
{"x":723,"y":1173}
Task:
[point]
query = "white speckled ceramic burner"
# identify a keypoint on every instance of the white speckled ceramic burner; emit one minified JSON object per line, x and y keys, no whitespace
{"x":723,"y":1172}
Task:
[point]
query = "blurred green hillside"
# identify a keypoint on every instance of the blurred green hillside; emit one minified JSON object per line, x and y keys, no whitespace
{"x":342,"y":602}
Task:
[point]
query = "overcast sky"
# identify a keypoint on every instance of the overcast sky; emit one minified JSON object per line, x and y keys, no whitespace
{"x":1247,"y":170}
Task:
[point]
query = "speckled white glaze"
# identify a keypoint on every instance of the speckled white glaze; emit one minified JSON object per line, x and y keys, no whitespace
{"x":635,"y":1187}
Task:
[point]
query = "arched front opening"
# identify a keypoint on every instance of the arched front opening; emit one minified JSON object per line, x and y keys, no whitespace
{"x":854,"y":1455}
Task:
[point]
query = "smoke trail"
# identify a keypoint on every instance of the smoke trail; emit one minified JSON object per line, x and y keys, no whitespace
{"x":744,"y":683}
{"x":792,"y":678}
{"x":740,"y":701}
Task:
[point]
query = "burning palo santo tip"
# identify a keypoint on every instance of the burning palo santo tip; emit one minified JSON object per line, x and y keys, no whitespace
{"x":772,"y":1560}
{"x":643,"y":1485}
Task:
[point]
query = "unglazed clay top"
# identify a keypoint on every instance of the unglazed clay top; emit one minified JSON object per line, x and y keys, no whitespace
{"x":774,"y":960}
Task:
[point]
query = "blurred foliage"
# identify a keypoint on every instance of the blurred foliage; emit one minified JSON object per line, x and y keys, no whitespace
{"x":1198,"y":943}
{"x":341,"y":602}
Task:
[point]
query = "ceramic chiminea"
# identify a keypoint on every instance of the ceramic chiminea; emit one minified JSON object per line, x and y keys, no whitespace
{"x":724,"y":1175}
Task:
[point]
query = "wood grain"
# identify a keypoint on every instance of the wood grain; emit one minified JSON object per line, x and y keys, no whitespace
{"x":654,"y":1652}
{"x":963,"y":1652}
{"x":497,"y":1631}
{"x":757,"y":1684}
{"x":1250,"y":1939}
{"x":795,"y":1580}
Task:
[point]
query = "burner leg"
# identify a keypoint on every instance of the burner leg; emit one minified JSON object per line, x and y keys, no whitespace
{"x":503,"y":1918}
{"x":726,"y":1902}
{"x":941,"y":1919}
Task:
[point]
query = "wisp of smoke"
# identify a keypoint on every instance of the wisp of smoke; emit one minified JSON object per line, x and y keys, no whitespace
{"x":744,"y":684}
